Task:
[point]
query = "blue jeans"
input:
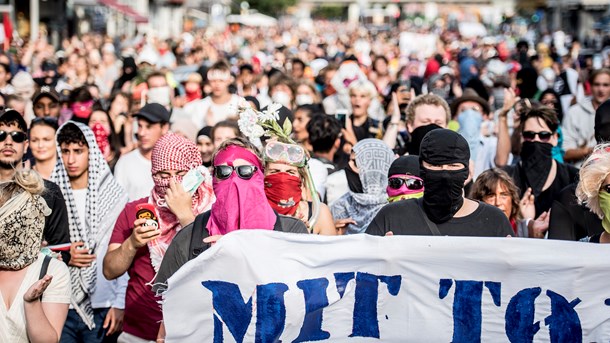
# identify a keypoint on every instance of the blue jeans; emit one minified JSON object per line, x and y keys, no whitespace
{"x":76,"y":331}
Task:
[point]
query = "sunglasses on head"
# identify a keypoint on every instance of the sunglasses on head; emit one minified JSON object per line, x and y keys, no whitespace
{"x":244,"y":172}
{"x":16,"y":136}
{"x":411,"y":183}
{"x":544,"y":136}
{"x":289,"y":153}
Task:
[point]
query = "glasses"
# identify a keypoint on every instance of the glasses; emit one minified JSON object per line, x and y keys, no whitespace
{"x":411,"y":183}
{"x":606,"y":188}
{"x":244,"y":172}
{"x":474,"y":108}
{"x":281,"y":152}
{"x":16,"y":136}
{"x":544,"y":136}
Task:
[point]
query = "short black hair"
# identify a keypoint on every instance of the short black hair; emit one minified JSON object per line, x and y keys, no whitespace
{"x":323,"y":132}
{"x":70,"y":133}
{"x":547,"y":115}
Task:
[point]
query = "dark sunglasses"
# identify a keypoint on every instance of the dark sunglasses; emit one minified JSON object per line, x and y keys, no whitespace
{"x":244,"y":172}
{"x":531,"y":135}
{"x":17,"y":136}
{"x":412,"y":184}
{"x":606,"y":188}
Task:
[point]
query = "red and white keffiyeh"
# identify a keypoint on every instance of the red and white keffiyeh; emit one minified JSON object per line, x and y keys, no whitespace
{"x":174,"y":152}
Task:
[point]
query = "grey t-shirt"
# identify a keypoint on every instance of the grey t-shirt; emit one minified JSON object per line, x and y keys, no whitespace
{"x":179,"y":250}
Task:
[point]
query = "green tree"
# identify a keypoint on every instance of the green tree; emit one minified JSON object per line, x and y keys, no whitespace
{"x":271,"y":7}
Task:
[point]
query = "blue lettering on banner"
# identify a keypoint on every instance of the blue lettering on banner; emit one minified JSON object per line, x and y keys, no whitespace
{"x":229,"y":304}
{"x":270,"y":312}
{"x":315,"y":301}
{"x":519,"y":318}
{"x":563,"y":323}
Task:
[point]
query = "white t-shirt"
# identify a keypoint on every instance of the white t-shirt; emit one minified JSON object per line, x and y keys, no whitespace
{"x":205,"y":112}
{"x":12,"y":321}
{"x":133,"y":173}
{"x":80,"y":199}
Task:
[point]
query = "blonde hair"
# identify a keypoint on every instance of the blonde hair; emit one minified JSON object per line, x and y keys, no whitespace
{"x":426,"y":99}
{"x":593,"y":172}
{"x":365,"y":86}
{"x":23,"y":180}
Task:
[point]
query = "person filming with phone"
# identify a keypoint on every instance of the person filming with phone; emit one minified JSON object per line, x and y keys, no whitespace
{"x":183,"y":189}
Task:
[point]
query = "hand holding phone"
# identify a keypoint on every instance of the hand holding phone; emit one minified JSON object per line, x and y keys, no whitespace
{"x":341,"y":116}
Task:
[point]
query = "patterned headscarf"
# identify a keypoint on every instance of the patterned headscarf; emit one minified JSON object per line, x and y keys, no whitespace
{"x":373,"y":159}
{"x":21,"y":225}
{"x":105,"y":200}
{"x":174,"y":152}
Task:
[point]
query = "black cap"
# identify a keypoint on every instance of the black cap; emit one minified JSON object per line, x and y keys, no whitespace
{"x":443,"y":146}
{"x":47,"y":91}
{"x":11,"y":115}
{"x":405,"y":165}
{"x":154,"y":113}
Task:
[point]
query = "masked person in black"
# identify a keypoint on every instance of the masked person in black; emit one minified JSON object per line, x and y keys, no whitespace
{"x":538,"y":170}
{"x":443,"y":210}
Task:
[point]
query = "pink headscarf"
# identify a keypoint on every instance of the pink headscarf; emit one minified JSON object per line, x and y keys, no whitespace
{"x":173,"y":152}
{"x":240,"y":204}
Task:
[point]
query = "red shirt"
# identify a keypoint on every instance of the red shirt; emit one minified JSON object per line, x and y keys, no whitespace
{"x":142,"y":312}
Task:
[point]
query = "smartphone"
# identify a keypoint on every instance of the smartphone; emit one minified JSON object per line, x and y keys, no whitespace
{"x":341,"y":116}
{"x":148,"y":212}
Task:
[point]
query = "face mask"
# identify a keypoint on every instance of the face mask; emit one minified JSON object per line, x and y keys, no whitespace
{"x":604,"y":203}
{"x":443,"y":195}
{"x":417,"y":135}
{"x":536,"y":160}
{"x":353,"y":180}
{"x":159,"y":95}
{"x":442,"y":92}
{"x":470,"y":128}
{"x":405,"y":197}
{"x":304,"y":99}
{"x":281,"y":98}
{"x":283,"y":192}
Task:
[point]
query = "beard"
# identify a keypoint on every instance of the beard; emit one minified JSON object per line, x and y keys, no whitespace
{"x":8,"y":164}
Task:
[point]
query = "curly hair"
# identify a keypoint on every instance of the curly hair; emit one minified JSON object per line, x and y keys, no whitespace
{"x":486,"y":184}
{"x":70,"y":133}
{"x":593,"y":172}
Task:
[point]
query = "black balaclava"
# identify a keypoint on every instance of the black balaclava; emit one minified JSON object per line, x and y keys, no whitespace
{"x":536,"y":160}
{"x":443,"y":195}
{"x":417,"y":136}
{"x":602,"y":122}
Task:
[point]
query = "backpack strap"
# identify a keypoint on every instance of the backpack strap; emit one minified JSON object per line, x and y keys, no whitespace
{"x":45,"y":266}
{"x":199,"y":232}
{"x":431,"y":225}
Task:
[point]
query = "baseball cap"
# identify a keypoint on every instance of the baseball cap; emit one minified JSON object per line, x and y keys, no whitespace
{"x":46,"y":91}
{"x":154,"y":113}
{"x":11,"y":115}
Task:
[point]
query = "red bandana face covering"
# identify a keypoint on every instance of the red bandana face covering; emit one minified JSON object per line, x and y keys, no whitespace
{"x":283,"y":192}
{"x":174,"y":153}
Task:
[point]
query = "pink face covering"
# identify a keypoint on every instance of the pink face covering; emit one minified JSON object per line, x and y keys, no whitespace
{"x":240,"y":204}
{"x":403,"y":192}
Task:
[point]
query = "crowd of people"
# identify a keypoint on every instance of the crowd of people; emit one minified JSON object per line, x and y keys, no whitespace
{"x":124,"y":159}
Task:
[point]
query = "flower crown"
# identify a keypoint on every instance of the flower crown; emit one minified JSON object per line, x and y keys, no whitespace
{"x":256,"y":124}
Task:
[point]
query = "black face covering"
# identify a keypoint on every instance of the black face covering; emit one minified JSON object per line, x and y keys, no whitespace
{"x":536,"y":160}
{"x":443,"y":195}
{"x":353,"y":180}
{"x":417,"y":136}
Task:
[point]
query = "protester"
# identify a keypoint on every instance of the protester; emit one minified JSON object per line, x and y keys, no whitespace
{"x":579,"y":120}
{"x":107,"y":140}
{"x":593,"y":189}
{"x":367,"y":179}
{"x":205,"y":145}
{"x":13,"y":144}
{"x":404,"y":181}
{"x":43,"y":146}
{"x":46,"y":103}
{"x":35,"y":289}
{"x":93,"y":199}
{"x":495,"y":187}
{"x":537,"y":169}
{"x":223,"y":131}
{"x":132,"y":169}
{"x":138,"y":248}
{"x":323,"y":134}
{"x":443,"y":210}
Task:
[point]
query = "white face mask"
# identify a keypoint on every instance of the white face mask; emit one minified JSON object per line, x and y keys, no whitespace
{"x":160,"y":95}
{"x":304,"y":99}
{"x":281,"y":98}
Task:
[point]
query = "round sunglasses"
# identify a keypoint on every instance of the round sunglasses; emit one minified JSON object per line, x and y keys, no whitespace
{"x":224,"y":172}
{"x":412,"y":184}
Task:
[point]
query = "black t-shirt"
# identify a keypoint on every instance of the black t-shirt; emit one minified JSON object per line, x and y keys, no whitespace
{"x":566,"y":174}
{"x":405,"y":217}
{"x":56,"y":227}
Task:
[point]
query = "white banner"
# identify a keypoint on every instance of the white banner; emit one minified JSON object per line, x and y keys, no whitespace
{"x":260,"y":286}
